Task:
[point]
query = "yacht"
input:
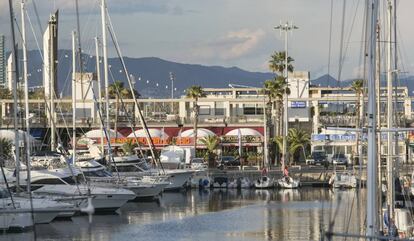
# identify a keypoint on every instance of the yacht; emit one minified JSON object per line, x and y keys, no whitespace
{"x":143,"y":187}
{"x":103,"y":199}
{"x":46,"y":168}
{"x":264,"y":182}
{"x":343,"y":180}
{"x":288,"y":182}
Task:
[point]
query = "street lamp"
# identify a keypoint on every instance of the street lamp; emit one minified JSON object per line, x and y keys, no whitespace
{"x":287,"y":27}
{"x":172,"y":78}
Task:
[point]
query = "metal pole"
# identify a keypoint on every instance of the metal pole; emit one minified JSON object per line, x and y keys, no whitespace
{"x":98,"y":76}
{"x":26,"y":97}
{"x":390,"y":176}
{"x":265,"y":144}
{"x":286,"y":28}
{"x":372,"y":228}
{"x":16,"y":75}
{"x":285,"y":106}
{"x":105,"y":59}
{"x":74,"y":97}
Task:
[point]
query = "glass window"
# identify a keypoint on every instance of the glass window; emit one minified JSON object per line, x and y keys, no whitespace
{"x":204,"y":110}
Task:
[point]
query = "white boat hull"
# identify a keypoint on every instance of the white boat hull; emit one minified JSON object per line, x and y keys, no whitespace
{"x":264,"y":182}
{"x":288,"y":185}
{"x":103,"y":199}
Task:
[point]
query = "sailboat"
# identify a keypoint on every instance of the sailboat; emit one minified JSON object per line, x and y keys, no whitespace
{"x":401,"y":219}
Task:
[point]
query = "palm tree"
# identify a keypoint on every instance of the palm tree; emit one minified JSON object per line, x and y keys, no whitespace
{"x":358,"y":87}
{"x":117,"y":90}
{"x":37,"y":94}
{"x":5,"y":148}
{"x":211,"y":143}
{"x":297,"y":139}
{"x":195,"y":92}
{"x":277,"y":62}
{"x":5,"y":93}
{"x":129,"y":147}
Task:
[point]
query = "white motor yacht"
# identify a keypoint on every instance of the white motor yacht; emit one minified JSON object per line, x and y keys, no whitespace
{"x":288,"y":182}
{"x":343,"y":180}
{"x":143,"y":187}
{"x":264,"y":182}
{"x":103,"y":199}
{"x":46,"y":168}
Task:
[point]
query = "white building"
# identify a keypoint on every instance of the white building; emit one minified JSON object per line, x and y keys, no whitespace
{"x":86,"y":86}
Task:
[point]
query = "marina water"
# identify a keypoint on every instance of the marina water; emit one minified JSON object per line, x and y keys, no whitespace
{"x":217,"y":214}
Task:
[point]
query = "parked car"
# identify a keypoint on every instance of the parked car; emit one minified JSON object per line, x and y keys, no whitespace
{"x":340,"y":159}
{"x":198,"y":163}
{"x":225,"y":161}
{"x":317,"y":158}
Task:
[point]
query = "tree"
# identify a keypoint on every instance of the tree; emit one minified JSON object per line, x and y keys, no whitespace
{"x":37,"y":94}
{"x":211,"y":143}
{"x":6,"y":147}
{"x":5,"y":93}
{"x":195,"y":92}
{"x":277,"y":62}
{"x":358,"y":87}
{"x":116,"y":91}
{"x":297,"y":140}
{"x":129,"y":147}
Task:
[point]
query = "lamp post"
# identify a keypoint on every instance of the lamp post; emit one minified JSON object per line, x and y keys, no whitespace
{"x":287,"y":27}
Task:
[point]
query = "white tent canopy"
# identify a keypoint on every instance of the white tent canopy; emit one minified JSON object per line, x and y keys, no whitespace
{"x":153,"y":132}
{"x":9,"y":135}
{"x":201,"y":132}
{"x":244,"y":132}
{"x":99,"y":134}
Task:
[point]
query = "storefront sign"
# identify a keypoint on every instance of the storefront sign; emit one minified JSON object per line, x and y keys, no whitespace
{"x":245,"y":139}
{"x":298,"y":104}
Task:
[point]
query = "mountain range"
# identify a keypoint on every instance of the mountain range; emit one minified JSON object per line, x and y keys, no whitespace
{"x":152,"y":75}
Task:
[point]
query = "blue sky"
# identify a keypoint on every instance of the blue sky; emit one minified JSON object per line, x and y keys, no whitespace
{"x":224,"y":32}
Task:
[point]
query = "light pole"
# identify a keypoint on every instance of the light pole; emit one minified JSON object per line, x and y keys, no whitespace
{"x":172,"y":78}
{"x":285,"y":28}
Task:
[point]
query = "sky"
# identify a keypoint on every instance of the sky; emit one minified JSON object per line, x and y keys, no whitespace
{"x":224,"y":32}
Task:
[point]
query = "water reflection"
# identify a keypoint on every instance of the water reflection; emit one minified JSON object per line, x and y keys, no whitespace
{"x":218,"y":214}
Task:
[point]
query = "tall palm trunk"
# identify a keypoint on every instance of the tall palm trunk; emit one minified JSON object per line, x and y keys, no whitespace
{"x":358,"y":125}
{"x":196,"y":110}
{"x":275,"y":118}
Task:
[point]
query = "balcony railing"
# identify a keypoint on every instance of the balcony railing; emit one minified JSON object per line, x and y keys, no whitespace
{"x":339,"y":120}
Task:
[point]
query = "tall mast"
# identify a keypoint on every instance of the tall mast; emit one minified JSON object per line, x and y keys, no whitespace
{"x":26,"y":97}
{"x":16,"y":78}
{"x":105,"y":60}
{"x":74,"y":97}
{"x":372,"y":206}
{"x":265,"y":136}
{"x":390,"y":154}
{"x":378,"y":95}
{"x":98,"y":76}
{"x":53,"y":32}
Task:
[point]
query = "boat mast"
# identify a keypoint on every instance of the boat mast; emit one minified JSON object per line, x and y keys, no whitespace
{"x":378,"y":94}
{"x":16,"y":78}
{"x":105,"y":62}
{"x":98,"y":77}
{"x":53,"y":32}
{"x":390,"y":154}
{"x":265,"y":136}
{"x":26,"y":97}
{"x":74,"y":97}
{"x":372,"y":206}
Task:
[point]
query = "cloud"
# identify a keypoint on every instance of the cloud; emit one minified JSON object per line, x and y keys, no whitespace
{"x":233,"y":45}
